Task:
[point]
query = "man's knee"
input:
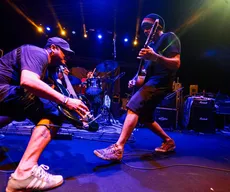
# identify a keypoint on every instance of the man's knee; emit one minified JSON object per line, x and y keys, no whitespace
{"x":48,"y":124}
{"x":132,"y":112}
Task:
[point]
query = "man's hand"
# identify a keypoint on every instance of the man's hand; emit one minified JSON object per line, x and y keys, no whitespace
{"x":61,"y":73}
{"x":131,"y":83}
{"x":78,"y":106}
{"x":148,"y":54}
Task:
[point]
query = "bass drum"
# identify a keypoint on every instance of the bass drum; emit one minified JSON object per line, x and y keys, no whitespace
{"x":94,"y":86}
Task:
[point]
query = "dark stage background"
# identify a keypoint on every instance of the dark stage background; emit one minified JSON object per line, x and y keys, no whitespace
{"x":202,"y":26}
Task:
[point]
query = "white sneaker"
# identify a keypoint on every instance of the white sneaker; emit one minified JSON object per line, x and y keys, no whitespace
{"x":38,"y":180}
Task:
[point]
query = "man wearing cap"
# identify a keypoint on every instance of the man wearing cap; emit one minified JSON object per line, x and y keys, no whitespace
{"x":162,"y":61}
{"x":23,"y":94}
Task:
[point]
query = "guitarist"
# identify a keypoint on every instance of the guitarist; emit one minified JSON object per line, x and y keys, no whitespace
{"x":162,"y":58}
{"x":24,"y":94}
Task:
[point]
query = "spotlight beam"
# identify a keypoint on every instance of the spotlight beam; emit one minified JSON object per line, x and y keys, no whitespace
{"x":138,"y":21}
{"x":55,"y":17}
{"x":83,"y":19}
{"x":19,"y":11}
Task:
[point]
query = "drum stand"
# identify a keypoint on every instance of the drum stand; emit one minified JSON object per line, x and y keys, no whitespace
{"x":106,"y":114}
{"x":106,"y":107}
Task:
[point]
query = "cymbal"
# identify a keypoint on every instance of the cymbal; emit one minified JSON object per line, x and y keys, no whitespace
{"x":107,"y":66}
{"x":74,"y":80}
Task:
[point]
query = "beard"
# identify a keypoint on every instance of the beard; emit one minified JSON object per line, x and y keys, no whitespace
{"x":56,"y":61}
{"x":146,"y":34}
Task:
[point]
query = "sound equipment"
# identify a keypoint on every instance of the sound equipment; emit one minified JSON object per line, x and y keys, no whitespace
{"x":202,"y":115}
{"x":166,"y":117}
{"x":223,"y":106}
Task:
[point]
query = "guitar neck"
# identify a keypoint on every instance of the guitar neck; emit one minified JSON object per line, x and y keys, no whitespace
{"x":69,"y":85}
{"x":147,"y":42}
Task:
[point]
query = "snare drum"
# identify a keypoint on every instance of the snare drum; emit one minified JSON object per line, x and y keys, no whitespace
{"x":94,"y":86}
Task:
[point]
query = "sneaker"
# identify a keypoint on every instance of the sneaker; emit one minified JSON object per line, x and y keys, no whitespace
{"x":38,"y":180}
{"x":112,"y":153}
{"x":166,"y":146}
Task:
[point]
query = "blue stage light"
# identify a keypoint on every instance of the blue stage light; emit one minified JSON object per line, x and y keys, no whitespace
{"x":48,"y":28}
{"x":73,"y":32}
{"x":99,"y":36}
{"x":126,"y":40}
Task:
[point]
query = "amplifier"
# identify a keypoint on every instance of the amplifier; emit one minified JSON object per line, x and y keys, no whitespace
{"x":202,"y":116}
{"x":166,"y":117}
{"x":203,"y":102}
{"x":223,"y":106}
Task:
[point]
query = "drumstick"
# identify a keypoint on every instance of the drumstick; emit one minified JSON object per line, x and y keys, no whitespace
{"x":93,"y":72}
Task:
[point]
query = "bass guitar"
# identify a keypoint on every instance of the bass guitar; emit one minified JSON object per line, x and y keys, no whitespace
{"x":86,"y":121}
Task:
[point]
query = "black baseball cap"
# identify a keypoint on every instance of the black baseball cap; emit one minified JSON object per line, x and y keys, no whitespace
{"x":149,"y":20}
{"x":64,"y":45}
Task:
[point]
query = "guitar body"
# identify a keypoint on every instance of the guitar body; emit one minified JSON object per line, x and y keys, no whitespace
{"x":140,"y":80}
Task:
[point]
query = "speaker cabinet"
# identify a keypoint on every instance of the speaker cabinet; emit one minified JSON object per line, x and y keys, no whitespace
{"x":166,"y":117}
{"x":202,"y":116}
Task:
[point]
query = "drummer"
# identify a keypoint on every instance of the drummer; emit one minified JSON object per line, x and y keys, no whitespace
{"x":90,"y":74}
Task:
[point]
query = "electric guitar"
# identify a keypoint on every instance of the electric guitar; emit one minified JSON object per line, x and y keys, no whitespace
{"x":141,"y":72}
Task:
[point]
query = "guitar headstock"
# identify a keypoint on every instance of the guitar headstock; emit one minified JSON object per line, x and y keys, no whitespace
{"x":152,"y":33}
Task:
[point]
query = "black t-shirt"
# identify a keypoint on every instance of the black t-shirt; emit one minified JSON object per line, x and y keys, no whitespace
{"x":32,"y":58}
{"x":167,"y":45}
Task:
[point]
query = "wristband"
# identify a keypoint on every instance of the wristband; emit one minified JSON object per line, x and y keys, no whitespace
{"x":65,"y":100}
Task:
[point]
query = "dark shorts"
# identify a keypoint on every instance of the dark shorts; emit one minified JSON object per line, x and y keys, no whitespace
{"x":146,"y":99}
{"x":20,"y":104}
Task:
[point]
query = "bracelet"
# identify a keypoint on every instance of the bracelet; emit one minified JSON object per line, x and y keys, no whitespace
{"x":65,"y":100}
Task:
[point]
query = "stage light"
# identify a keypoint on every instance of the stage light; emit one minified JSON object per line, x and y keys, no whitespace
{"x":40,"y":29}
{"x":73,"y":32}
{"x":48,"y":28}
{"x":135,"y":42}
{"x":85,"y":35}
{"x":126,"y":40}
{"x":99,"y":36}
{"x":63,"y":32}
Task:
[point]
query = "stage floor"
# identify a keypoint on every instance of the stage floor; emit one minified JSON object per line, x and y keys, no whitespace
{"x":201,"y":163}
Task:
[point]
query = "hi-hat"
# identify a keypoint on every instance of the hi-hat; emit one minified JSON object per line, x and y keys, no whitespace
{"x":107,"y":66}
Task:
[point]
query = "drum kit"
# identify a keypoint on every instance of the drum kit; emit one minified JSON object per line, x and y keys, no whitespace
{"x":97,"y":83}
{"x":94,"y":83}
